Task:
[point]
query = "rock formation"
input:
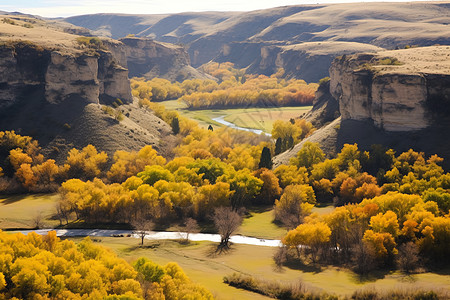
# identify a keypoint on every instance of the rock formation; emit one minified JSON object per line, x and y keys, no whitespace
{"x":399,"y":98}
{"x":54,"y":87}
{"x":27,"y":67}
{"x":395,"y":90}
{"x":147,"y":58}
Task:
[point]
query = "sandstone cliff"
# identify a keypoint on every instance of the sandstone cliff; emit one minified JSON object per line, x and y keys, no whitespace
{"x":56,"y":75}
{"x":395,"y":90}
{"x":205,"y":34}
{"x":53,"y":86}
{"x":400,"y":99}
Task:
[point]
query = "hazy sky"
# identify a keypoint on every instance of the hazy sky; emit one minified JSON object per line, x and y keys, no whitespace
{"x":63,"y":8}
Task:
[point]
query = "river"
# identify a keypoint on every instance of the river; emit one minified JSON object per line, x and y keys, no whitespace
{"x":157,"y":235}
{"x":222,"y":121}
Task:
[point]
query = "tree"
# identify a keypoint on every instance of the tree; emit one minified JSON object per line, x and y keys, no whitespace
{"x":309,"y":155}
{"x":154,"y":173}
{"x":226,"y":221}
{"x":315,"y":236}
{"x":408,"y":257}
{"x":142,"y":226}
{"x":190,"y":226}
{"x":294,"y":205}
{"x":86,"y":163}
{"x":270,"y":189}
{"x":278,"y":146}
{"x":266,"y":159}
{"x":175,"y":124}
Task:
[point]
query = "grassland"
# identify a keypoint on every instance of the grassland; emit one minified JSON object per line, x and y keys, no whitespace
{"x":202,"y":265}
{"x":259,"y":224}
{"x":255,"y":118}
{"x":21,"y":211}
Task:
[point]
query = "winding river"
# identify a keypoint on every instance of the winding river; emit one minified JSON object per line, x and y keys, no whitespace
{"x":157,"y":235}
{"x":222,"y":121}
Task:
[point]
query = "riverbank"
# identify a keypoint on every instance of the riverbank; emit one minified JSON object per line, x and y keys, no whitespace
{"x":156,"y":235}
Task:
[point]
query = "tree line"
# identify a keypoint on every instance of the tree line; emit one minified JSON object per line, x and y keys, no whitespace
{"x":392,"y":211}
{"x":233,"y":89}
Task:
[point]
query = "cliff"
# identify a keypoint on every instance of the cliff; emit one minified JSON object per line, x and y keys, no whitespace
{"x":147,"y":58}
{"x":399,"y":90}
{"x":54,"y":85}
{"x":309,"y":61}
{"x":399,"y":99}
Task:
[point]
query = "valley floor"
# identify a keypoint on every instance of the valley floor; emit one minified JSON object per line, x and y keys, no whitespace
{"x":204,"y":266}
{"x":250,"y":117}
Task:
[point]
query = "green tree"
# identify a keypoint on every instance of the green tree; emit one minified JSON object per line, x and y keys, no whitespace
{"x":175,"y":124}
{"x":278,"y":146}
{"x":266,"y":159}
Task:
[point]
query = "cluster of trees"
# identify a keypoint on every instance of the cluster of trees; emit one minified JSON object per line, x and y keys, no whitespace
{"x":289,"y":133}
{"x":234,"y":89}
{"x":378,"y":232}
{"x":23,"y":167}
{"x":45,"y":267}
{"x":183,"y":188}
{"x":392,"y":208}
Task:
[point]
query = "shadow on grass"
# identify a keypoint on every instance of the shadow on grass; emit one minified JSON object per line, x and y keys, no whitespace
{"x":296,"y":264}
{"x":370,"y":277}
{"x":153,"y":245}
{"x":259,"y":209}
{"x":10,"y":199}
{"x":214,"y":250}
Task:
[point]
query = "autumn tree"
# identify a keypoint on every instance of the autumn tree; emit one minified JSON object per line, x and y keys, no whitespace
{"x":315,"y":236}
{"x":270,"y":189}
{"x":295,"y":203}
{"x":86,"y":163}
{"x":226,"y":221}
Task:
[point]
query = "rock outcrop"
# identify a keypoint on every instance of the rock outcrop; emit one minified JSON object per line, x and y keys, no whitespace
{"x":144,"y":57}
{"x":399,"y":99}
{"x":206,"y":34}
{"x":54,"y":87}
{"x":28,"y":68}
{"x":395,"y":90}
{"x":309,"y":61}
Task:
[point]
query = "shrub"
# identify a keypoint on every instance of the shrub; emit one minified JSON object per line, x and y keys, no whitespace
{"x":91,"y":42}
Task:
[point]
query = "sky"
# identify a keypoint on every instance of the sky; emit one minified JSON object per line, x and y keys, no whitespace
{"x":65,"y":8}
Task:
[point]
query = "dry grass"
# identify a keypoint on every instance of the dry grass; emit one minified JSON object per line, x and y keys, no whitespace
{"x":22,"y":211}
{"x":200,"y":264}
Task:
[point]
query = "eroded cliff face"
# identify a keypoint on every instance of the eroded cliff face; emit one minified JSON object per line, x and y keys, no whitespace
{"x":308,"y":61}
{"x":27,"y":69}
{"x":403,"y":90}
{"x":144,"y":57}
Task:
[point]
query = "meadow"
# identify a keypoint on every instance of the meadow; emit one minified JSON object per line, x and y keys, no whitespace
{"x":251,"y":117}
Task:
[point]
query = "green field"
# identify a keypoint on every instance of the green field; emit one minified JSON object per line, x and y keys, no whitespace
{"x":260,"y":225}
{"x":255,"y":118}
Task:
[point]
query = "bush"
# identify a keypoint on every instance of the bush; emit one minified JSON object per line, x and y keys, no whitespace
{"x":278,"y":290}
{"x":91,"y":42}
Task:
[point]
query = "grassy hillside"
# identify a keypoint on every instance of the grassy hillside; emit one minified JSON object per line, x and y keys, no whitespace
{"x":206,"y":33}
